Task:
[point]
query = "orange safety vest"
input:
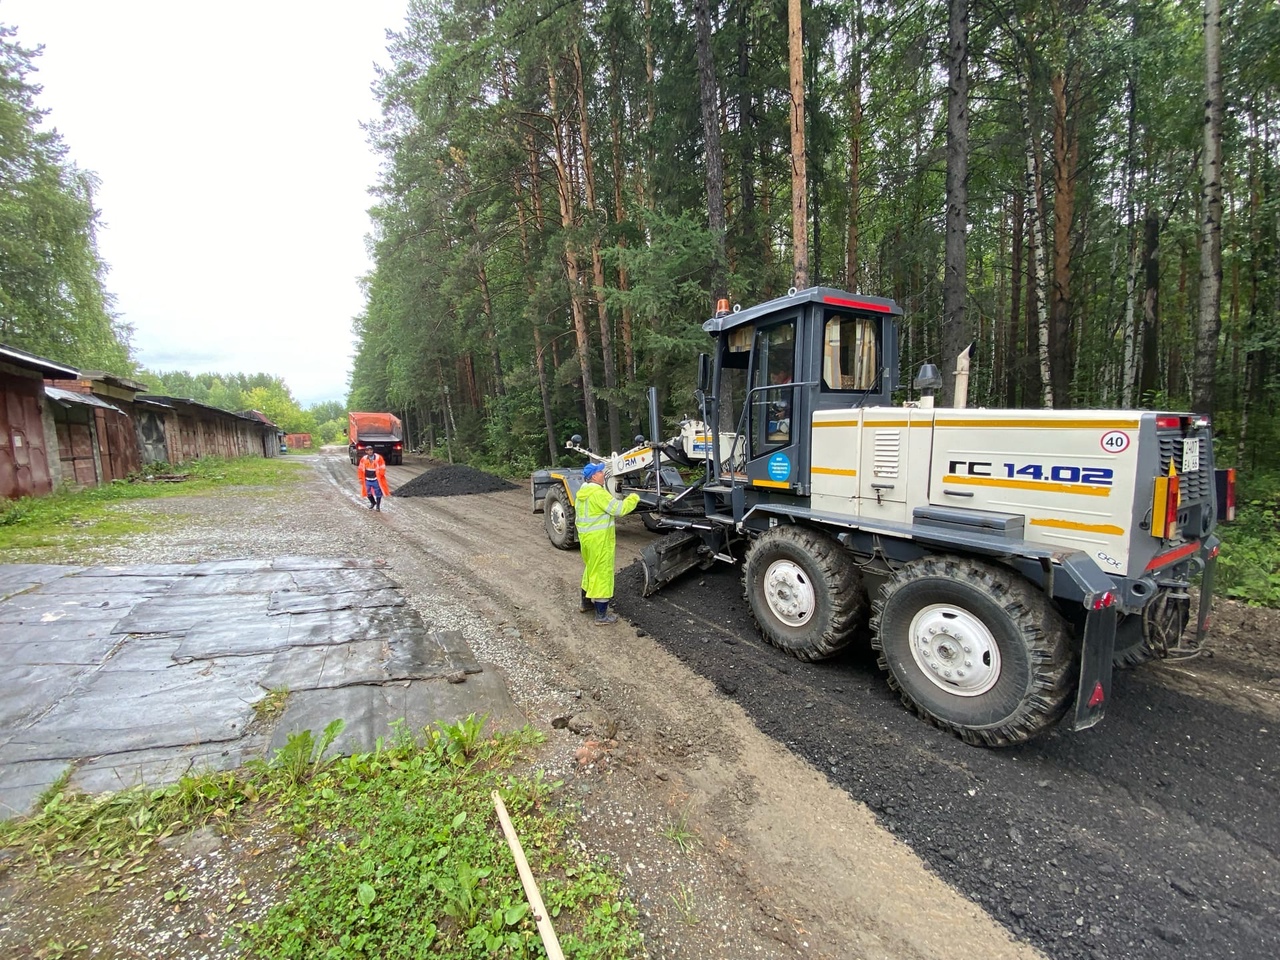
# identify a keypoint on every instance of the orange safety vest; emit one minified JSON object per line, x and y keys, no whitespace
{"x":379,"y":466}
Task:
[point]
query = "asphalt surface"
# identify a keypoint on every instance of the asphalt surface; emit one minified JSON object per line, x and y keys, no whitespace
{"x":1153,"y":835}
{"x":130,"y":675}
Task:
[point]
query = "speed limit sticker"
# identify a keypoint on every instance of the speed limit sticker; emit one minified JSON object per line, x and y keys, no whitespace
{"x":1115,"y":441}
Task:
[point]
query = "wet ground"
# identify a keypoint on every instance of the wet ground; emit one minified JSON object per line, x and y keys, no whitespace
{"x":134,"y":675}
{"x":1155,"y":834}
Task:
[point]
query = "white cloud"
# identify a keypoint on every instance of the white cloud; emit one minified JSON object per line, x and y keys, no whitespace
{"x":234,"y":170}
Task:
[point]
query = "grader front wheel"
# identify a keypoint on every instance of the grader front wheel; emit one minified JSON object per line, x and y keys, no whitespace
{"x":805,"y":592}
{"x":974,"y":649}
{"x":558,"y":518}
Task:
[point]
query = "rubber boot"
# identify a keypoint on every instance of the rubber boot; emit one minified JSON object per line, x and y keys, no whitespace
{"x":603,"y":616}
{"x":378,"y":505}
{"x":585,"y":605}
{"x":371,"y":503}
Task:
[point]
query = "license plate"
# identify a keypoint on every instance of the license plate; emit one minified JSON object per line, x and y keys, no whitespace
{"x":1190,"y":454}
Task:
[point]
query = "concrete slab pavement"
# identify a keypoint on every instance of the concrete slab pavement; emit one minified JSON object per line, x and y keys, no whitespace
{"x":140,"y":674}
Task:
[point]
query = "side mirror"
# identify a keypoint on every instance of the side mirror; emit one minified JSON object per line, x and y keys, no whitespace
{"x":704,"y":372}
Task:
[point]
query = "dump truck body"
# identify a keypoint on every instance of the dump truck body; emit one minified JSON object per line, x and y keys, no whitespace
{"x":381,"y":432}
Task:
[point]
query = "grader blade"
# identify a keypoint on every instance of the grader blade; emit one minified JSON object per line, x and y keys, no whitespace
{"x":667,"y":558}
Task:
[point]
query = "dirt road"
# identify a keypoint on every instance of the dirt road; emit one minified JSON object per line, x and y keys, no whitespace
{"x":785,"y":862}
{"x":1154,"y":834}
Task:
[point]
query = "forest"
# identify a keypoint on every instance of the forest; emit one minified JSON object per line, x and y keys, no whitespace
{"x":569,"y":186}
{"x":1085,"y":190}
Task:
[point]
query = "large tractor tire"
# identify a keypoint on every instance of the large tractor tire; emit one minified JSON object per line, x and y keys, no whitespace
{"x":805,"y":591}
{"x":1155,"y":632}
{"x":558,"y":518}
{"x":975,"y":649}
{"x":1131,"y":648}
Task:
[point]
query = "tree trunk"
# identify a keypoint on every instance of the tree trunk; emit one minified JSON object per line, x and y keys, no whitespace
{"x":564,"y":191}
{"x":1210,"y":319}
{"x":1149,"y":374}
{"x":855,"y":149}
{"x":956,"y":329}
{"x":1015,"y":301}
{"x":624,"y":279}
{"x":531,"y":284}
{"x":709,"y":100}
{"x":747,"y":230}
{"x":799,"y":177}
{"x":1066,"y":150}
{"x":1035,"y":246}
{"x":1129,"y":372}
{"x":597,"y":263}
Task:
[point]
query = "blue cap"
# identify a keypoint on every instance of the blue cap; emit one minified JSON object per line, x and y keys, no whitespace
{"x":591,"y":469}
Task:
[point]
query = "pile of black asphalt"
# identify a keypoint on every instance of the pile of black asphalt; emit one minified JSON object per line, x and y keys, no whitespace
{"x":1154,"y":834}
{"x":452,"y":480}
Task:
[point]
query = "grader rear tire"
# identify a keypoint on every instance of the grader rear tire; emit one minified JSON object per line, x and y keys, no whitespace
{"x":805,"y":592}
{"x":975,"y":649}
{"x":558,"y":518}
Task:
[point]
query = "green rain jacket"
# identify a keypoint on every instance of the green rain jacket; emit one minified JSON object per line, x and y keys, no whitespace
{"x":596,"y":510}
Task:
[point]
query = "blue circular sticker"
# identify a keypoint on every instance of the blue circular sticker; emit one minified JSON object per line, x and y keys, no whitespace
{"x":779,"y":467}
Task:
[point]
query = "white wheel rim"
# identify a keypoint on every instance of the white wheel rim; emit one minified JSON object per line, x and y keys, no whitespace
{"x":789,"y":593}
{"x":558,"y":518}
{"x":955,"y":650}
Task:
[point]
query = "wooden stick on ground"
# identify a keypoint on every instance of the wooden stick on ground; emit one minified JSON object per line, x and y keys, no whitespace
{"x":548,"y":932}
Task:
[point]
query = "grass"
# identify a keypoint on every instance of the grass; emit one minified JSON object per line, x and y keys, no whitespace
{"x":271,"y":707}
{"x":678,"y":832}
{"x":94,"y":516}
{"x":1249,"y":565}
{"x":399,"y":851}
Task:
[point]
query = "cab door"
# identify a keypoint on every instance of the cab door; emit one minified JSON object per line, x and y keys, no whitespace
{"x":774,"y":417}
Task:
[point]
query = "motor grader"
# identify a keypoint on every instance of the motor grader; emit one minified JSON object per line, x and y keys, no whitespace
{"x":1000,"y":560}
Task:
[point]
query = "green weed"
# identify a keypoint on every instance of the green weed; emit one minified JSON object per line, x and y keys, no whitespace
{"x":302,"y":757}
{"x":457,"y":744}
{"x":684,"y":900}
{"x":678,"y":832}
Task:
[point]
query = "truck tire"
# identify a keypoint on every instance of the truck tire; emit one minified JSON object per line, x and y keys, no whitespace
{"x":557,"y":517}
{"x":975,"y":649}
{"x":805,"y":592}
{"x":1149,"y":635}
{"x":1131,"y":648}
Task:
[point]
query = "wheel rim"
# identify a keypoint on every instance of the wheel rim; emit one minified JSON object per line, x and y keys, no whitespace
{"x":789,"y":593}
{"x":955,"y":650}
{"x":558,"y":518}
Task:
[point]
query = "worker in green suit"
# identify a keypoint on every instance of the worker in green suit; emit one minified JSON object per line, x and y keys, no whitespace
{"x":596,"y":511}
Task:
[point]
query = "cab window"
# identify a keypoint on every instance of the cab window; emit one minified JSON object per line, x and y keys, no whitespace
{"x":773,"y":370}
{"x":850,"y":353}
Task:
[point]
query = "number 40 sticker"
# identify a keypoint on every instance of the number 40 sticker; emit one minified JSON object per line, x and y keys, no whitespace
{"x":1116,"y":441}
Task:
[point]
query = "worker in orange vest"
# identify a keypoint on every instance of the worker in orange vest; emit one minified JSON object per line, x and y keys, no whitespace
{"x":372,"y":470}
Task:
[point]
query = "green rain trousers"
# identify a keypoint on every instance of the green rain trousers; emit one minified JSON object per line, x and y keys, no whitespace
{"x":596,"y":510}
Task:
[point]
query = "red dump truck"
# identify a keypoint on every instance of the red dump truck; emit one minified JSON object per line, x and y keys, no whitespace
{"x":381,"y":431}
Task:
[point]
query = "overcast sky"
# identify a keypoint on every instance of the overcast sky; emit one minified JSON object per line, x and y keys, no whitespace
{"x":234,"y":170}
